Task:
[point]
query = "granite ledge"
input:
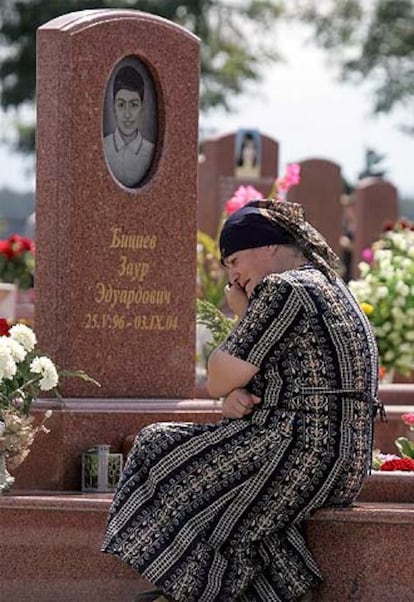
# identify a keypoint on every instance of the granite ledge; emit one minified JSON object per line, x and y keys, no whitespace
{"x":402,"y":513}
{"x":128,"y":405}
{"x":397,"y":393}
{"x":61,"y":500}
{"x":368,"y":512}
{"x":156,"y":405}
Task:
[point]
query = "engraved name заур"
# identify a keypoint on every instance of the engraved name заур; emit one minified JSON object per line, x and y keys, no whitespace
{"x":114,"y":305}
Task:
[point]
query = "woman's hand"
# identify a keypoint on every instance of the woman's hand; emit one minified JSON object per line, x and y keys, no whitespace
{"x":239,"y":403}
{"x":236,"y":299}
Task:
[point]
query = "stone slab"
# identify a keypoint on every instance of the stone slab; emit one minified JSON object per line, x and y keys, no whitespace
{"x":116,"y":265}
{"x":362,"y":552}
{"x":388,"y":487}
{"x":52,"y":552}
{"x":54,"y":462}
{"x":49,"y":550}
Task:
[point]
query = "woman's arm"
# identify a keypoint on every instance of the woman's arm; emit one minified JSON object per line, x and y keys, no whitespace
{"x":226,"y":373}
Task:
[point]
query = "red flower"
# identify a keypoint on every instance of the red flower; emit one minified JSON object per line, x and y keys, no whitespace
{"x":16,"y":242}
{"x":388,"y":226}
{"x":382,"y":372}
{"x":404,"y":223}
{"x":4,"y":327}
{"x":406,"y":464}
{"x":6,"y":249}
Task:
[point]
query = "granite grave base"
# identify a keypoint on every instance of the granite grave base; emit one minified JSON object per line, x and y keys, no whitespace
{"x":50,"y":551}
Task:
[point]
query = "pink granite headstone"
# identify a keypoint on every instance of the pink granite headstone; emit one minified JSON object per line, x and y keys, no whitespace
{"x":116,"y":234}
{"x":319,"y":192}
{"x":376,"y":203}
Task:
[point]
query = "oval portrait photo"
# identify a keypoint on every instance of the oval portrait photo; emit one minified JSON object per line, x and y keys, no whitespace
{"x":248,"y":154}
{"x":130,"y":122}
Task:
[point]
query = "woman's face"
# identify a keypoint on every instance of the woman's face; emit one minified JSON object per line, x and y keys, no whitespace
{"x":127,"y":105}
{"x":249,"y":266}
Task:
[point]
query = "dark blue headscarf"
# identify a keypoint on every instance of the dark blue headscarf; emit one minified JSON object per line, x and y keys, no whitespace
{"x":248,"y":228}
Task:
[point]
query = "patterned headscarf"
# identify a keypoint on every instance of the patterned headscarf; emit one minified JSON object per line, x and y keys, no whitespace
{"x":284,"y":216}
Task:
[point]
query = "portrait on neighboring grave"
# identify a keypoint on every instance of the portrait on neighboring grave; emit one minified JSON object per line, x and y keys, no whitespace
{"x":130,"y":122}
{"x":247,"y":154}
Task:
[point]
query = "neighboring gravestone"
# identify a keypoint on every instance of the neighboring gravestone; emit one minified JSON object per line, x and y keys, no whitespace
{"x":376,"y":203}
{"x":243,"y":158}
{"x":116,"y":224}
{"x":319,"y":192}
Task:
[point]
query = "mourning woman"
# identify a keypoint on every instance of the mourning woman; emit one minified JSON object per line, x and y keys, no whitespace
{"x":214,"y":512}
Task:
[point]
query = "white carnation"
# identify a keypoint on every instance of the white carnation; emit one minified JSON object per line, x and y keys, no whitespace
{"x":23,"y":335}
{"x":387,"y":327}
{"x":364,"y":268}
{"x":17,"y":350}
{"x":402,"y":288}
{"x":8,"y":366}
{"x":401,"y":242}
{"x":382,"y":292}
{"x":2,"y":427}
{"x":44,"y":366}
{"x":383,"y":256}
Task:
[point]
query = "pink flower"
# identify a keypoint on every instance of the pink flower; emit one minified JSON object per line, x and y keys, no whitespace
{"x":241,"y":197}
{"x":408,"y":419}
{"x":293,"y":173}
{"x":291,"y":178}
{"x":368,"y":255}
{"x":282,"y":184}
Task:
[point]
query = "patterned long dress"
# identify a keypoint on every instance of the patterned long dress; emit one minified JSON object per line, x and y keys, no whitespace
{"x":214,"y":512}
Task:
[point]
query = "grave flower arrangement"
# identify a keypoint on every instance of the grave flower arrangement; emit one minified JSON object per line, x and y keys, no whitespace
{"x":24,"y":373}
{"x":385,"y":291}
{"x":17,"y":261}
{"x":405,"y":461}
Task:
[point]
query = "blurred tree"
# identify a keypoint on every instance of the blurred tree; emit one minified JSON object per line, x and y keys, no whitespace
{"x":233,"y":48}
{"x":371,"y":40}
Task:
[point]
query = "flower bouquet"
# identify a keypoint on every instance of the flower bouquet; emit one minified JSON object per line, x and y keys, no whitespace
{"x":405,"y":461}
{"x":24,"y":373}
{"x":385,"y":291}
{"x":17,"y":261}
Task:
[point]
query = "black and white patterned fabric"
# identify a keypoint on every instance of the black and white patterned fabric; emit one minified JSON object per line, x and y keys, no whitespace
{"x":214,"y":512}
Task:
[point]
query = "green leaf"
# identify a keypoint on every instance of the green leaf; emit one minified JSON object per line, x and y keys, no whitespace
{"x":79,"y":374}
{"x":405,"y":447}
{"x":216,"y":321}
